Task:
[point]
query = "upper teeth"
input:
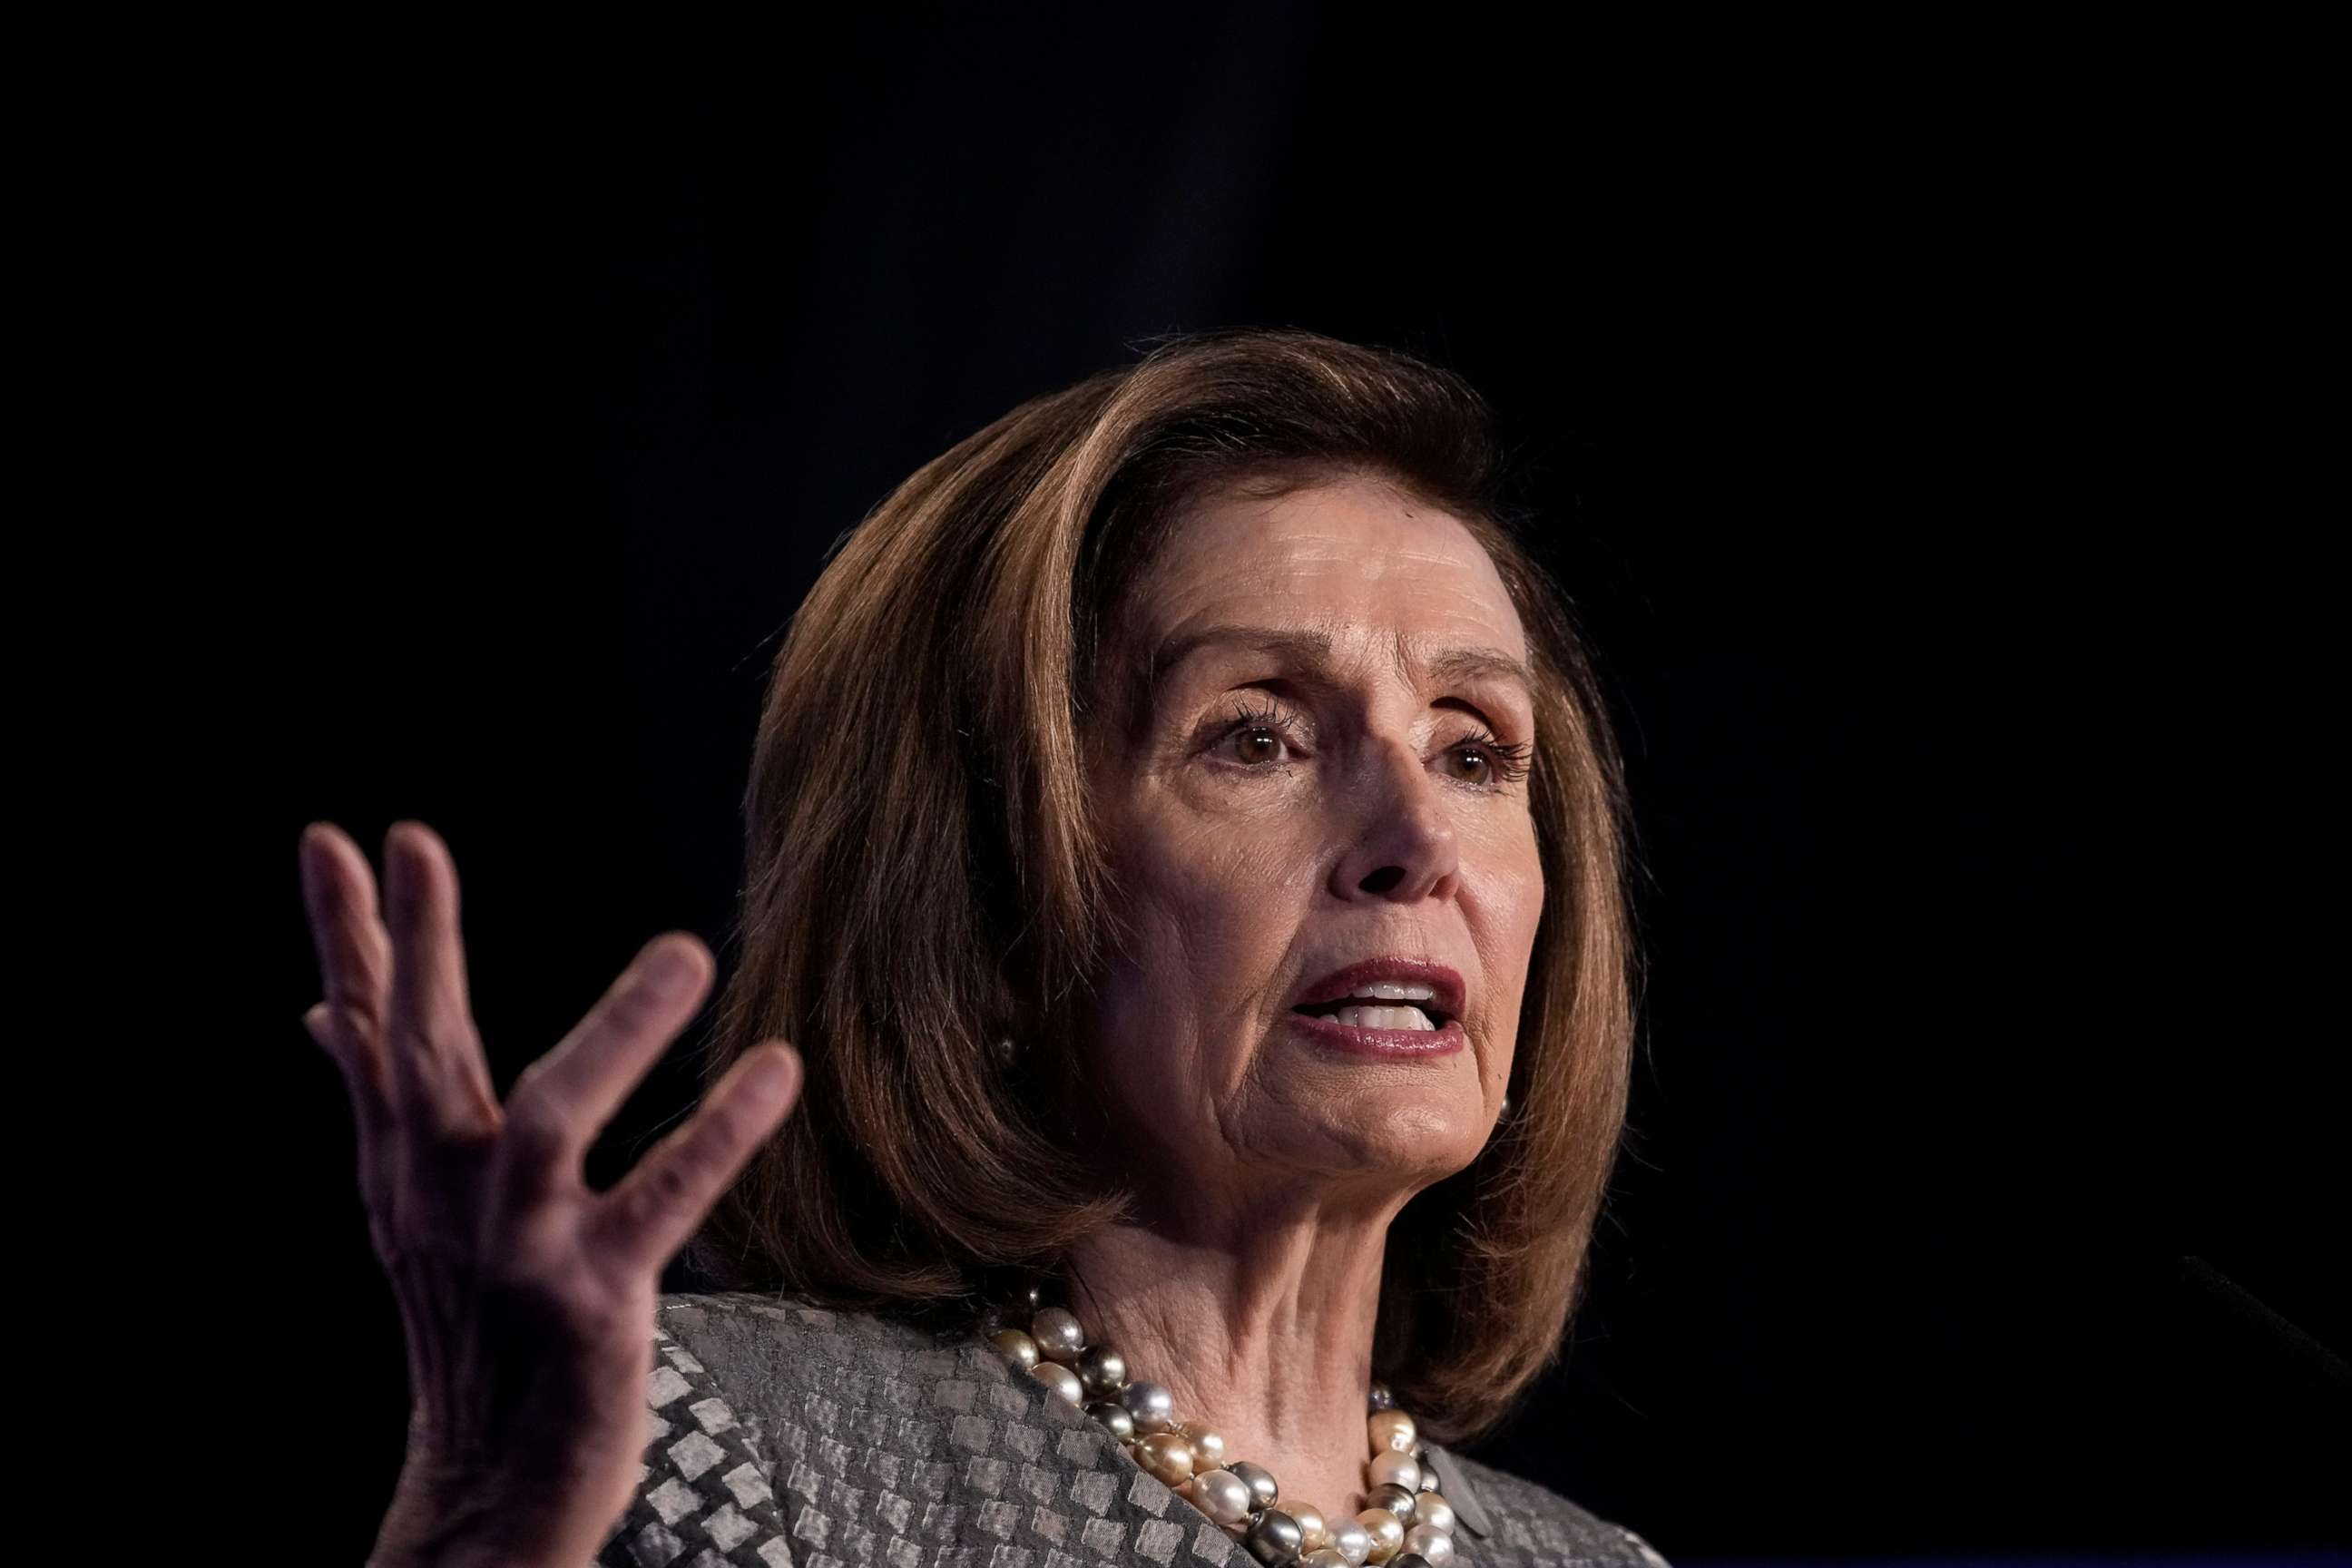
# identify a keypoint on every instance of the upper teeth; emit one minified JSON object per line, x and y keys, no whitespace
{"x":1397,"y":990}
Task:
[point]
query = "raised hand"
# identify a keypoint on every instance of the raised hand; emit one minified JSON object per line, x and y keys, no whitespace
{"x":526,"y":1297}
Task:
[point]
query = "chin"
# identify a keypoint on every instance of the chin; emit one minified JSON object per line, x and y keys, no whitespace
{"x":1417,"y":1135}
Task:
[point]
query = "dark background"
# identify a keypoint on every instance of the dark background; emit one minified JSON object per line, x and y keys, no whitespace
{"x":1930,"y":436}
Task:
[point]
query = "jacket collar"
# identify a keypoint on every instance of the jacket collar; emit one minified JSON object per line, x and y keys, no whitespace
{"x":1454,"y":1484}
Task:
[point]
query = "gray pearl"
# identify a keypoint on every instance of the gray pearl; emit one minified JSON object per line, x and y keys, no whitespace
{"x":1103,"y":1370}
{"x":1394,"y":1499}
{"x":1260,"y":1481}
{"x":1381,"y":1398}
{"x":1408,"y":1560}
{"x":1428,"y":1476}
{"x":1113,"y":1414}
{"x":1274,"y":1539}
{"x":1058,"y":1334}
{"x":1152,"y":1406}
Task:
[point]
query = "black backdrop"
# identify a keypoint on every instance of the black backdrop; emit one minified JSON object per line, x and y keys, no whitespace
{"x":1932,"y":438}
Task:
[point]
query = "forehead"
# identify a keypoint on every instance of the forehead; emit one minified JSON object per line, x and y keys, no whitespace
{"x":1352,"y":557}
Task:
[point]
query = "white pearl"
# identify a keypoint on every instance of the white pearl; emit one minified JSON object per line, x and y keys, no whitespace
{"x":1392,"y":1469}
{"x":1324,"y":1557}
{"x":1352,"y":1541}
{"x":1060,"y":1379}
{"x":1058,"y":1334}
{"x":1435,"y":1546}
{"x":1431,"y":1509}
{"x":1223,"y":1496}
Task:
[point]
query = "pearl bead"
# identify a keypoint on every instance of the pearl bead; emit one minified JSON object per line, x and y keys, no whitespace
{"x":1114,"y":1415}
{"x":1428,"y":1476}
{"x":1274,"y":1539}
{"x":1222,"y":1496}
{"x":1392,"y":1430}
{"x":1352,"y":1541}
{"x":1103,"y":1370}
{"x":1409,"y":1559}
{"x":1058,"y":1334}
{"x":1060,"y":1379}
{"x":1433,"y":1544}
{"x":1314,"y":1534}
{"x":1395,"y":1499}
{"x":1208,"y":1445}
{"x":1387,"y":1534}
{"x":1019,"y":1346}
{"x":1393,"y":1469}
{"x":1167,"y":1455}
{"x":1152,"y":1406}
{"x":1433,"y":1510}
{"x":1324,"y":1557}
{"x":1263,"y":1493}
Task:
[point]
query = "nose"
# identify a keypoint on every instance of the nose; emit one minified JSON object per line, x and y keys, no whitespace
{"x":1403,"y":848}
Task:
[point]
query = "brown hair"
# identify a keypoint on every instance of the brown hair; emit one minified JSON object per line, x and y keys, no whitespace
{"x":924,"y":875}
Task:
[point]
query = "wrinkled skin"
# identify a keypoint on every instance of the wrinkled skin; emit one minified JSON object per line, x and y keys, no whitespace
{"x":527,"y":1300}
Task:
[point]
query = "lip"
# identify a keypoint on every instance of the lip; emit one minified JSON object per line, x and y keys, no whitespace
{"x":1389,"y":1043}
{"x":1340,"y":982}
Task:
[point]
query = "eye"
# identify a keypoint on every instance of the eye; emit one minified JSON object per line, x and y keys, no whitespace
{"x":1254,"y":738}
{"x":1256,"y":743}
{"x":1489,"y":763}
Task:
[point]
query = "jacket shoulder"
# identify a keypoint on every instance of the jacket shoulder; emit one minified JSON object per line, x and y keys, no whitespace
{"x":726,"y":1364}
{"x":706,"y":1481}
{"x":1530,"y":1525}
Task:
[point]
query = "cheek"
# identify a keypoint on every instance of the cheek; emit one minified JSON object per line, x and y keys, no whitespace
{"x":1212,"y":903}
{"x":1215,"y":905}
{"x":1503,"y":889}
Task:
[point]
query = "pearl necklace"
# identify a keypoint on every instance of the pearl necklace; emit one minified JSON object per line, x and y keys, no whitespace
{"x":1406,"y":1525}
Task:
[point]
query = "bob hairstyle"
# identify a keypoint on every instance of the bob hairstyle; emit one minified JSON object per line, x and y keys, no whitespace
{"x":925,"y":878}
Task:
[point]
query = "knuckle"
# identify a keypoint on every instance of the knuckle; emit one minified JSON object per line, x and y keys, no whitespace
{"x":635,"y":1010}
{"x":536,"y":1127}
{"x":674,"y":1181}
{"x":666,"y":1190}
{"x":355,"y":1013}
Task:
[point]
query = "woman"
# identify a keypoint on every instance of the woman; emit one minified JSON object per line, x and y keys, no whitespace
{"x":1186,"y":846}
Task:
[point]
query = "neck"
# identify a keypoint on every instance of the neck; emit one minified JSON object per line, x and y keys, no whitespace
{"x":1258,"y":1322}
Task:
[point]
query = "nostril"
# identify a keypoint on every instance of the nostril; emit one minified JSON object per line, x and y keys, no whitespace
{"x":1382,"y":881}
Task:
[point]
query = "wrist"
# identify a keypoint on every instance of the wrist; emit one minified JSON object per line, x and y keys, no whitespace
{"x":442,"y":1519}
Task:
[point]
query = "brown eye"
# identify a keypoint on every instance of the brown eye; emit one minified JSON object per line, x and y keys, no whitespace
{"x":1483,"y":766}
{"x":1246,"y":742}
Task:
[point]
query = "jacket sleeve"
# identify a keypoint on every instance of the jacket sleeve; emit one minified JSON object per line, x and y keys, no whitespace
{"x":706,"y":1495}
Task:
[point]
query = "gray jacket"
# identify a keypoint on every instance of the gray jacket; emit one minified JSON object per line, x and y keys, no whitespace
{"x":790,"y":1436}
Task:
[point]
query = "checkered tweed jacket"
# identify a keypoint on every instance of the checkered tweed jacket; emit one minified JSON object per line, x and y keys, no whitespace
{"x":785,"y":1436}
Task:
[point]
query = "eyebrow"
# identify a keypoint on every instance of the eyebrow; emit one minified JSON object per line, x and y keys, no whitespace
{"x":1452,"y":664}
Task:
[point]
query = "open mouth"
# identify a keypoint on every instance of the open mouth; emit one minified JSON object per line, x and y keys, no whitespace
{"x":1387,"y":1007}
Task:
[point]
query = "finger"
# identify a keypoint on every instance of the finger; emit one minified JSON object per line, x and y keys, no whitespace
{"x":371,"y":1113}
{"x":564,"y":1098}
{"x":354,"y":954}
{"x":437,"y":1071}
{"x":654,"y":1210}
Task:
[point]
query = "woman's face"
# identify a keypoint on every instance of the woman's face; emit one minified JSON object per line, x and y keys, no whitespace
{"x":1327,"y":772}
